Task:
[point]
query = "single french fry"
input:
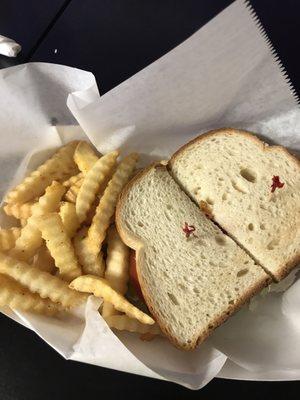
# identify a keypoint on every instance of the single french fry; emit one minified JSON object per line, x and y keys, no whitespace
{"x":73,"y":180}
{"x":18,"y":297}
{"x":19,"y":210}
{"x":100,"y":287}
{"x":90,"y":214}
{"x":43,"y":260}
{"x":89,"y":263}
{"x":108,"y":201}
{"x":59,"y":166}
{"x":117,"y":266}
{"x":124,"y":323}
{"x":41,"y":282}
{"x":31,"y":239}
{"x":92,"y":183}
{"x":8,"y":238}
{"x":72,"y":193}
{"x":69,"y":218}
{"x":85,"y":157}
{"x":59,"y":245}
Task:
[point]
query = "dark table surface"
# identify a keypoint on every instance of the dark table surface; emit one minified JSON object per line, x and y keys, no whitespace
{"x":114,"y":39}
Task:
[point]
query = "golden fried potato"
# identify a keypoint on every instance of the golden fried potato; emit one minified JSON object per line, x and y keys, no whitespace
{"x":124,"y":323}
{"x":100,"y":287}
{"x":90,"y":263}
{"x":85,"y":157}
{"x":92,"y":183}
{"x":30,"y":239}
{"x":108,"y":201}
{"x":60,"y":166}
{"x":18,"y":297}
{"x":73,"y":191}
{"x":117,"y":266}
{"x":19,"y":210}
{"x":41,"y":282}
{"x":69,"y":218}
{"x":73,"y":180}
{"x":59,"y":245}
{"x":8,"y":238}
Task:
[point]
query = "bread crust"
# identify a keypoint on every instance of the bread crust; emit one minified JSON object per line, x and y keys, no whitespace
{"x":286,"y":268}
{"x":137,"y":244}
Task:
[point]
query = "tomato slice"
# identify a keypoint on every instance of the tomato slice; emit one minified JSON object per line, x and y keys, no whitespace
{"x":133,"y":275}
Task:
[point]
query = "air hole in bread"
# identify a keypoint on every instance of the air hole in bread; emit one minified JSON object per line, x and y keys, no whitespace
{"x":249,"y":175}
{"x":140,"y":224}
{"x":167,"y":216}
{"x":197,"y":190}
{"x":231,"y":302}
{"x":250,"y":240}
{"x":173,"y":299}
{"x":182,"y":287}
{"x":273,"y":244}
{"x":221,"y":179}
{"x":224,"y":196}
{"x":262,"y":227}
{"x":212,"y":264}
{"x":169,"y":207}
{"x":209,"y":201}
{"x":242,"y":272}
{"x":246,"y":262}
{"x":251,"y":227}
{"x":238,"y":186}
{"x":220,"y":240}
{"x":196,"y":290}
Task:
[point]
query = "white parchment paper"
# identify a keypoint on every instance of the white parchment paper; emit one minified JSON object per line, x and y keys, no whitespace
{"x":226,"y":74}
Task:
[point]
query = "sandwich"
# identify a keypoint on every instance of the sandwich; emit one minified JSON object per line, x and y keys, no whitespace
{"x":210,"y":229}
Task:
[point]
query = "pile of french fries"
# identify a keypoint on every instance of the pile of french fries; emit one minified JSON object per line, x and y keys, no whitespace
{"x":55,"y":257}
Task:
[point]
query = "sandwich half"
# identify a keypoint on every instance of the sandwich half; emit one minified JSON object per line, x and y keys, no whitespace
{"x":192,"y":275}
{"x":250,"y":189}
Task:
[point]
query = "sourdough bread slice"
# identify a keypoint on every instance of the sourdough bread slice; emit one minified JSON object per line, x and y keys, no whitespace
{"x":191,"y":274}
{"x":231,"y":173}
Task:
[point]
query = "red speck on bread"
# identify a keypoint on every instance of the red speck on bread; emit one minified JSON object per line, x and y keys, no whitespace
{"x":188,"y":230}
{"x":276,"y":183}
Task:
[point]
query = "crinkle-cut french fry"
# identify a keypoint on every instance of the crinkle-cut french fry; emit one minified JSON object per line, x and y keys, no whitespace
{"x":90,"y":263}
{"x":72,"y":193}
{"x":41,"y":282}
{"x":85,"y":157}
{"x":108,"y":201}
{"x":18,"y":297}
{"x":124,"y":323}
{"x":59,"y":166}
{"x":117,"y":265}
{"x":43,"y":260}
{"x":90,"y":214}
{"x":8,"y":238}
{"x":69,"y":218}
{"x":19,"y":210}
{"x":92,"y":183}
{"x":31,"y":239}
{"x":60,"y":246}
{"x":73,"y":180}
{"x":100,"y":287}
